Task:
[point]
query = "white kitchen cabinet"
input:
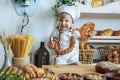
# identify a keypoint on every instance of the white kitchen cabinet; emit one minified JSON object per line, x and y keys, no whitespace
{"x":112,"y":9}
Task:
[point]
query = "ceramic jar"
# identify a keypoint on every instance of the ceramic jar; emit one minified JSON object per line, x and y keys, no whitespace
{"x":20,"y":62}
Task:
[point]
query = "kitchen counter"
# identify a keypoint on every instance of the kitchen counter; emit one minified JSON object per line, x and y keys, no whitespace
{"x":79,"y":69}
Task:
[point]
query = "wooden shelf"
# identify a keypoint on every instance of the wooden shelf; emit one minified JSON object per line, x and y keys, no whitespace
{"x":111,"y":8}
{"x":105,"y":39}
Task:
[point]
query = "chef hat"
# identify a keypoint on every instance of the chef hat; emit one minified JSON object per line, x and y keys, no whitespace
{"x":71,"y":10}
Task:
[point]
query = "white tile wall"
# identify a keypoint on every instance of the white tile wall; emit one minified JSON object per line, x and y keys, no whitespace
{"x":1,"y":55}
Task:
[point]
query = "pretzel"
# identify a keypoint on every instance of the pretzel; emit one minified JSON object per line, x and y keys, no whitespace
{"x":62,"y":52}
{"x":86,"y":30}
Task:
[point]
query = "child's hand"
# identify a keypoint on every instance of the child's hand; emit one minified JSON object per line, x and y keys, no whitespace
{"x":91,"y":34}
{"x":83,"y":40}
{"x":51,"y":44}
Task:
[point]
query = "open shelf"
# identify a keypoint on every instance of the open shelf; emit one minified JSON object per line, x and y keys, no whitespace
{"x":105,"y":39}
{"x":111,"y":8}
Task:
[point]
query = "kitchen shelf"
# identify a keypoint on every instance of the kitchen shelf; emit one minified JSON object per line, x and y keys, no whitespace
{"x":105,"y":39}
{"x":111,"y":8}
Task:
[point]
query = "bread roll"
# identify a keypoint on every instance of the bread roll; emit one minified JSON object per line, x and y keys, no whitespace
{"x":105,"y":66}
{"x":106,"y":32}
{"x":116,"y":33}
{"x":87,"y":46}
{"x":81,"y":46}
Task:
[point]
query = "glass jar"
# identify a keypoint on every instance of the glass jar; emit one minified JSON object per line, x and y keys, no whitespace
{"x":7,"y":61}
{"x":41,"y":56}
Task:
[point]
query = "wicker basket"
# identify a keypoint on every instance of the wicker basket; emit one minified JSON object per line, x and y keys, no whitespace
{"x":104,"y":51}
{"x":107,"y":50}
{"x":86,"y":56}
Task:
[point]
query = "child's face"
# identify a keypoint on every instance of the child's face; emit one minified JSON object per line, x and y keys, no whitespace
{"x":64,"y":21}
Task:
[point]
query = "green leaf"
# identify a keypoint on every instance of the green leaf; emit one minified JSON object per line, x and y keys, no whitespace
{"x":23,"y":1}
{"x":12,"y":79}
{"x":8,"y":75}
{"x":1,"y":69}
{"x":15,"y":75}
{"x":3,"y":75}
{"x":21,"y":75}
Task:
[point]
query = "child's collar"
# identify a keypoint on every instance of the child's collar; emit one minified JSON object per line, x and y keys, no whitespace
{"x":61,"y":30}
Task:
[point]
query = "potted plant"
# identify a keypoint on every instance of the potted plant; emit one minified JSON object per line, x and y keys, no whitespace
{"x":25,"y":2}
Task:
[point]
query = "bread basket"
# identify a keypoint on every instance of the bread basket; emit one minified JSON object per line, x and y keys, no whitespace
{"x":86,"y":56}
{"x":110,"y":53}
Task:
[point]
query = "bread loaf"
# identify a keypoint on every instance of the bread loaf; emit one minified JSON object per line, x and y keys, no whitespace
{"x":105,"y":66}
{"x":87,"y":46}
{"x":116,"y":33}
{"x":106,"y":32}
{"x":83,"y":46}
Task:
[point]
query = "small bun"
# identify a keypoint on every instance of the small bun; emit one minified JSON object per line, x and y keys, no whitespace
{"x":106,"y":32}
{"x":87,"y":46}
{"x":81,"y":46}
{"x":15,"y":69}
{"x":116,"y":33}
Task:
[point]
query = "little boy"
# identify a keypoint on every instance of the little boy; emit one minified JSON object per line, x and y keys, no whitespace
{"x":64,"y":39}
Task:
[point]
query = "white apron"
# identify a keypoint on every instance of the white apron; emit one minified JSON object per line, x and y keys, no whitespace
{"x":64,"y":41}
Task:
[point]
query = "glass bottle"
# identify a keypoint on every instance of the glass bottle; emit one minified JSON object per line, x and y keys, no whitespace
{"x":7,"y":60}
{"x":41,"y":56}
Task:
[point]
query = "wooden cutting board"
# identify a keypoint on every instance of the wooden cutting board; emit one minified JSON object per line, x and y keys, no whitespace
{"x":79,"y":69}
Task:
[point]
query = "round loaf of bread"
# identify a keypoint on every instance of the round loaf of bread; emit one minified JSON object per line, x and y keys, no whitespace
{"x":105,"y":66}
{"x":106,"y":32}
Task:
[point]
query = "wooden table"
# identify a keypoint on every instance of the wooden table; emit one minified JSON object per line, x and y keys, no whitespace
{"x":79,"y":69}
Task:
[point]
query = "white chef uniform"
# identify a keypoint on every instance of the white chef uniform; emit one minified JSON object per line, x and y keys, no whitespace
{"x":65,"y":37}
{"x":64,"y":41}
